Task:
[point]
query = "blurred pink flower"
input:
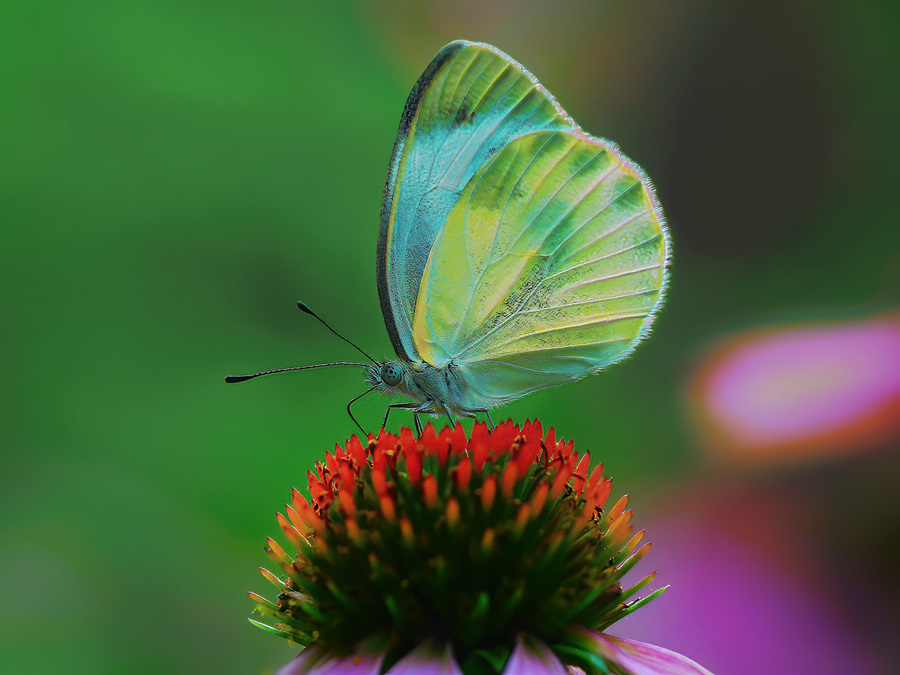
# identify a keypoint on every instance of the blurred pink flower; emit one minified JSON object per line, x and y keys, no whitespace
{"x":752,"y":590}
{"x":786,"y":393}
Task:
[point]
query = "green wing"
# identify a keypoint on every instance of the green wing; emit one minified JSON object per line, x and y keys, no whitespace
{"x":469,"y":103}
{"x":550,"y":267}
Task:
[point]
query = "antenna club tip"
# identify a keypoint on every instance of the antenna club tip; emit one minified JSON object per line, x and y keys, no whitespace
{"x":233,"y":379}
{"x":303,"y":307}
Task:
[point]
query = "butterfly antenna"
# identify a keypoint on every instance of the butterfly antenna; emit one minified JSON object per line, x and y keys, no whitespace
{"x":303,"y":307}
{"x":233,"y":379}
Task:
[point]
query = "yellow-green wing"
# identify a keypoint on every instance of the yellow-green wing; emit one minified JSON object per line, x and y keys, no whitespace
{"x":469,"y":103}
{"x":549,"y":267}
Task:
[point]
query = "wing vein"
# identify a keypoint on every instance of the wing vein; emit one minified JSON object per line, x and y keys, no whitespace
{"x":518,"y":366}
{"x":618,"y":275}
{"x":574,"y":326}
{"x":534,"y":158}
{"x":600,"y":213}
{"x":564,"y":347}
{"x":604,"y":257}
{"x":582,"y":303}
{"x":537,"y":286}
{"x":446,"y":136}
{"x":531,"y":294}
{"x":474,"y":132}
{"x":555,"y":195}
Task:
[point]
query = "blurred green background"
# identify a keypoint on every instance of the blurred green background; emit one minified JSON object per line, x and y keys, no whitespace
{"x":175,"y":174}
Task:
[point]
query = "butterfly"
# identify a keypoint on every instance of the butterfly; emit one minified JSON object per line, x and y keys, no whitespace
{"x":516,"y":252}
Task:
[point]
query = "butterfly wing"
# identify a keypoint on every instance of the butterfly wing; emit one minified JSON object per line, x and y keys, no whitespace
{"x":470,"y":102}
{"x":550,"y":267}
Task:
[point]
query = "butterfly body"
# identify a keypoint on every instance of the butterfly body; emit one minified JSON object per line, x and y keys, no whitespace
{"x":434,"y":391}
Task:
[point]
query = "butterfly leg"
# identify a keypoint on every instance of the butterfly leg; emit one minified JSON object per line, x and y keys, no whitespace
{"x":406,"y":406}
{"x":472,"y":412}
{"x":429,"y":408}
{"x":350,"y":412}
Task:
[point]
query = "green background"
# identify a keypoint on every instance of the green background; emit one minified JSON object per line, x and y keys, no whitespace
{"x":175,"y":174}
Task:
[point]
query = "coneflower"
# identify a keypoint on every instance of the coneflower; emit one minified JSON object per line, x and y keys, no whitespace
{"x":442,"y":553}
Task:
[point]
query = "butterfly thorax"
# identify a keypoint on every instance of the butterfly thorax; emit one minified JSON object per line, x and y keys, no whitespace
{"x":436,"y":389}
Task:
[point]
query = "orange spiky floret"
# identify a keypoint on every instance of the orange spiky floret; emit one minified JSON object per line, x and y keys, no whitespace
{"x":388,"y":507}
{"x":580,"y":473}
{"x":488,"y":492}
{"x":452,"y":518}
{"x":463,"y":473}
{"x":292,"y":533}
{"x":348,"y":503}
{"x":429,"y":490}
{"x":277,"y":553}
{"x":510,"y":476}
{"x":453,"y":511}
{"x":523,"y":516}
{"x":406,"y":529}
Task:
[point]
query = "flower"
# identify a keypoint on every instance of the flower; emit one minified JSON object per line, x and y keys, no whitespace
{"x":747,"y":569}
{"x":791,"y":393}
{"x":452,"y":554}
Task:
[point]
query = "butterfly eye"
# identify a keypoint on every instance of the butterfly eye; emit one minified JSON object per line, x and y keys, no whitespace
{"x":391,"y":374}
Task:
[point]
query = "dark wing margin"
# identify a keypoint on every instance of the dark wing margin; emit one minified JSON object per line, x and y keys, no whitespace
{"x":406,"y":120}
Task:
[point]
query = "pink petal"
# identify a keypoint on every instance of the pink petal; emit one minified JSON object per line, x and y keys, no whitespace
{"x":639,"y":658}
{"x":532,"y":657}
{"x":428,"y":658}
{"x":748,"y":574}
{"x":310,"y":663}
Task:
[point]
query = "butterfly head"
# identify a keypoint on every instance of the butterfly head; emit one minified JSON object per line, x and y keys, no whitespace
{"x":387,"y":376}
